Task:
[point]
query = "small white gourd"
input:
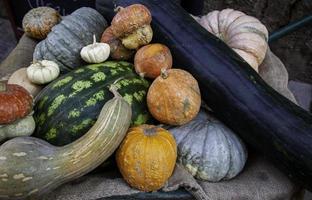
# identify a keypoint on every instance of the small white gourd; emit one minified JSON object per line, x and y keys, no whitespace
{"x":96,"y":52}
{"x":42,"y":72}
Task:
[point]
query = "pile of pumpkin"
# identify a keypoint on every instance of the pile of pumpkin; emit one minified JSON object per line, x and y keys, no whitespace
{"x":91,"y":111}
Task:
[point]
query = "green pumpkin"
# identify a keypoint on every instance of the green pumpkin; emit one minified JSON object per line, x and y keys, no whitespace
{"x":70,"y":105}
{"x":64,"y":42}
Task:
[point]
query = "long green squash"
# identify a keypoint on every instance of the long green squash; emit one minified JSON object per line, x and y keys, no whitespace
{"x":30,"y":167}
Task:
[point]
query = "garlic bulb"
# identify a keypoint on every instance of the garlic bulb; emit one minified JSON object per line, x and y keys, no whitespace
{"x":96,"y":52}
{"x":42,"y":72}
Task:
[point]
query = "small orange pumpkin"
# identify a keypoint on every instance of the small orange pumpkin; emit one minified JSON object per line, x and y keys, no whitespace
{"x":150,"y":59}
{"x":15,"y":103}
{"x":174,"y":97}
{"x":147,"y":157}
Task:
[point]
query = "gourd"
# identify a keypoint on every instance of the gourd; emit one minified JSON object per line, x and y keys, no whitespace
{"x":132,"y":25}
{"x":20,"y":78}
{"x":65,"y":41}
{"x":151,"y":59}
{"x":174,"y":97}
{"x":245,"y":34}
{"x":21,"y":127}
{"x":96,"y":52}
{"x":43,"y":71}
{"x":69,"y":106}
{"x":208,"y":149}
{"x":15,"y":103}
{"x":31,"y":167}
{"x":147,"y":167}
{"x":269,"y":122}
{"x":38,"y":22}
{"x":117,"y":50}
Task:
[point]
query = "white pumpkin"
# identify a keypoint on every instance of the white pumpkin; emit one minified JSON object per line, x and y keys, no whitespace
{"x":244,"y":34}
{"x":96,"y":52}
{"x":209,"y":150}
{"x":42,"y":72}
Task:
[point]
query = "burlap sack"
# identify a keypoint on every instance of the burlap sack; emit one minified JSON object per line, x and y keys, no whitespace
{"x":259,"y":180}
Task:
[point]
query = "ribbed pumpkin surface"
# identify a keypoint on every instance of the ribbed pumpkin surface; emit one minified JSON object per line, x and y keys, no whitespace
{"x":69,"y":106}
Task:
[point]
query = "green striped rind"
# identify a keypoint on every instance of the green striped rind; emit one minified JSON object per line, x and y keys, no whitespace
{"x":69,"y":106}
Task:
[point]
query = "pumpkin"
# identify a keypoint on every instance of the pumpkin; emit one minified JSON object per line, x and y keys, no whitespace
{"x":31,"y":167}
{"x":42,"y":72}
{"x":15,"y":103}
{"x":21,"y":127}
{"x":117,"y":50}
{"x":20,"y":78}
{"x":96,"y":52}
{"x":244,"y":34}
{"x":146,"y":157}
{"x":69,"y":106}
{"x":65,"y":41}
{"x":38,"y":22}
{"x":150,"y":59}
{"x":174,"y":97}
{"x":132,"y":25}
{"x":209,"y":150}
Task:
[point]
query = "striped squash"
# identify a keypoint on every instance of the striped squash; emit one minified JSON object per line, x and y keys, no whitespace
{"x":69,"y":106}
{"x":31,"y":167}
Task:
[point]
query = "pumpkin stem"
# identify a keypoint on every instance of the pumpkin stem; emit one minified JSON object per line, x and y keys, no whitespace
{"x":150,"y":131}
{"x":3,"y":86}
{"x":164,"y":73}
{"x":94,"y":39}
{"x":118,"y":8}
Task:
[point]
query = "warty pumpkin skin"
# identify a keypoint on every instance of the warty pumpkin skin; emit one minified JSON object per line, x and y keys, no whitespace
{"x":243,"y":33}
{"x":15,"y":103}
{"x":67,"y":38}
{"x":174,"y":97}
{"x":31,"y":167}
{"x":118,"y":50}
{"x":147,"y":156}
{"x":209,"y":150}
{"x":38,"y":22}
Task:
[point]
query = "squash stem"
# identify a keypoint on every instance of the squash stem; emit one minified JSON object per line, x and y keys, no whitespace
{"x":94,"y":39}
{"x":3,"y":87}
{"x":164,"y":73}
{"x":113,"y":89}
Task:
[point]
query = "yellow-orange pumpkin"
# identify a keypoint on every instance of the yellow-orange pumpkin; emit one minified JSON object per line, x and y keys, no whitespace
{"x":146,"y":157}
{"x":174,"y":97}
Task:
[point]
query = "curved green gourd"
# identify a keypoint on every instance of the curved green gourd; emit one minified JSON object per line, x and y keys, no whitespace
{"x":64,"y":42}
{"x":31,"y":167}
{"x":69,"y":106}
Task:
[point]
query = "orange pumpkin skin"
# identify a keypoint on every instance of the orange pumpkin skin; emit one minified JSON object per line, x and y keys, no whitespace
{"x":150,"y":59}
{"x":117,"y":50}
{"x":147,"y":157}
{"x":128,"y":19}
{"x":174,"y":97}
{"x":15,"y":103}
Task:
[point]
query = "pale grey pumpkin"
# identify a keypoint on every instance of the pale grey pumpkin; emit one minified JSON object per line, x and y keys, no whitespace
{"x":31,"y":167}
{"x":21,"y":127}
{"x":208,"y":149}
{"x":64,"y":43}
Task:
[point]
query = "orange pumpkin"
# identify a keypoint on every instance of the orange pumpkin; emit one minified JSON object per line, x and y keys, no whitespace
{"x":174,"y":97}
{"x":147,"y":157}
{"x":150,"y":59}
{"x":15,"y":103}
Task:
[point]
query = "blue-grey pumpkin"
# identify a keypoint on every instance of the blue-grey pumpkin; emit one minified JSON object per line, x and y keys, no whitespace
{"x":208,"y":149}
{"x":64,"y":42}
